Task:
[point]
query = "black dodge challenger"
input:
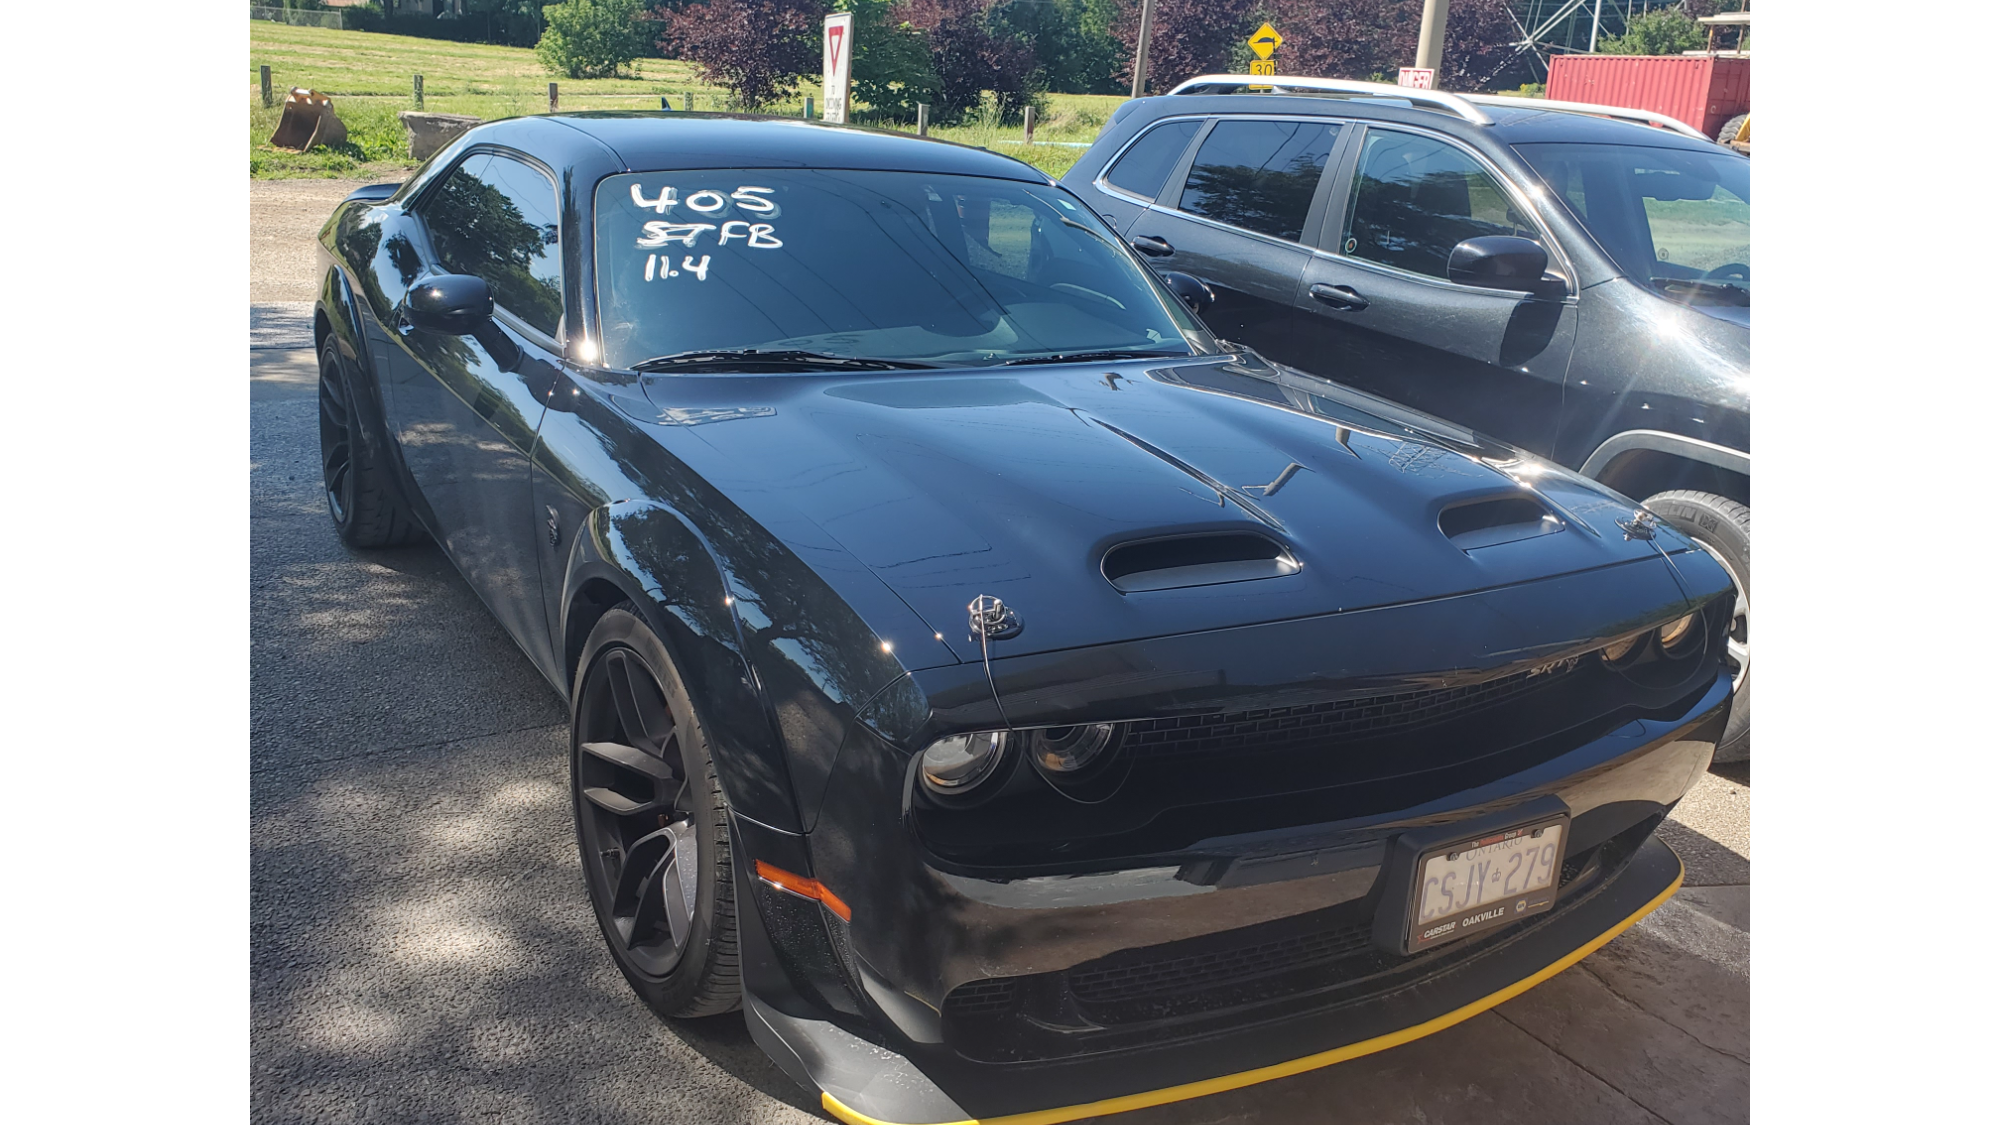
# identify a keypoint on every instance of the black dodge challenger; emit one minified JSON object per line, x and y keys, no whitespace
{"x":1021,"y":703}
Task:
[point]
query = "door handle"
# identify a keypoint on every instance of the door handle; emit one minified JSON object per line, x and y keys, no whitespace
{"x":1152,"y":247}
{"x":1339,"y":296}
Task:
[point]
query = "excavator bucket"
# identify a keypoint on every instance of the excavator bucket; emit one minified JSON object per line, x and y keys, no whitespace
{"x":309,"y":120}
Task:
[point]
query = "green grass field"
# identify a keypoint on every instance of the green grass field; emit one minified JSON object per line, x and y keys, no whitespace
{"x":369,"y":78}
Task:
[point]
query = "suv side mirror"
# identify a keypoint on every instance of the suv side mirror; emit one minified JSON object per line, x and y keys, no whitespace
{"x":1193,"y":292}
{"x":1498,"y":261}
{"x":452,"y":303}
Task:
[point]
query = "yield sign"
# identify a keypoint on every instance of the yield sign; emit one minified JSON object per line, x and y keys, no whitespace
{"x":1265,"y":40}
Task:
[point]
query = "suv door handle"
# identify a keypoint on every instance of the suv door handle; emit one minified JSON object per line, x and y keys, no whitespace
{"x":1152,"y":247}
{"x":1339,"y":296}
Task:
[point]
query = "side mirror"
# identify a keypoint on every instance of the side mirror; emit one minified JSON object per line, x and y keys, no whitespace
{"x":1498,"y":261}
{"x":1193,"y":292}
{"x":451,"y":303}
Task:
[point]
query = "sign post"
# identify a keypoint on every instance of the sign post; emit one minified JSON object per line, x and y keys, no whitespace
{"x":836,"y":58}
{"x":1264,"y":42}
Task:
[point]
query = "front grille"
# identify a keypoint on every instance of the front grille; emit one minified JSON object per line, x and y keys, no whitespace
{"x":1124,"y":978}
{"x":1290,"y":728}
{"x":984,"y":997}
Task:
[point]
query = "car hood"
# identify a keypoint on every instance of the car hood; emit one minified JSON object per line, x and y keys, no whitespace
{"x":1015,"y":483}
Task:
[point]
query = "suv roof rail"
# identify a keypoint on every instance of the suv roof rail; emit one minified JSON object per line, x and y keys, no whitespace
{"x":1645,"y":116}
{"x":1430,"y":99}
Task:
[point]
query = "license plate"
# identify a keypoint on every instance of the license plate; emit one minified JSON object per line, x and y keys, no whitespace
{"x":1475,"y":885}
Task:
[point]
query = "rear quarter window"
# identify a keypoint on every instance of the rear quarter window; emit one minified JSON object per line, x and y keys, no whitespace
{"x":1143,"y":168}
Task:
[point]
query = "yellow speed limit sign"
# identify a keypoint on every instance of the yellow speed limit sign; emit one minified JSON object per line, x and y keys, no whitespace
{"x":1265,"y":41}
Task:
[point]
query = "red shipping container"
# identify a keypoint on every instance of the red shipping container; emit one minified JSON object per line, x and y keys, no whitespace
{"x":1702,"y":90}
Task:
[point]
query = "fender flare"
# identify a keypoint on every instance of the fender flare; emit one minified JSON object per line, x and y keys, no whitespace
{"x":1659,"y":441}
{"x":663,"y":564}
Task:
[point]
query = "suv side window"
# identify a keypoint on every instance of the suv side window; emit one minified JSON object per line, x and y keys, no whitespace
{"x":1259,"y":175}
{"x":497,"y":219}
{"x":1415,"y":198}
{"x":1144,"y":167}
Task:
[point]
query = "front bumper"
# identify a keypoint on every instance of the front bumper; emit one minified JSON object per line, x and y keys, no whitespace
{"x":865,"y":1083}
{"x":868,"y":1012}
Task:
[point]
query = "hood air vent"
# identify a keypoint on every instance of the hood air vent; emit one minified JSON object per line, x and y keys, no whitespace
{"x":1196,"y":560}
{"x":1486,"y":523}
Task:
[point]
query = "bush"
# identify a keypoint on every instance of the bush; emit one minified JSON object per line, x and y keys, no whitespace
{"x":756,"y":49}
{"x":1662,"y":31}
{"x":590,"y":38}
{"x":892,"y":71}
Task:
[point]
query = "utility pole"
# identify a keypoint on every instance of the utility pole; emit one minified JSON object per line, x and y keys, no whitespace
{"x":1145,"y":37}
{"x":1430,"y":35}
{"x":1596,"y":18}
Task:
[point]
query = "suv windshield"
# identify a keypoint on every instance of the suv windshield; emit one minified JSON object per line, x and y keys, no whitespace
{"x":1677,"y":220}
{"x":911,"y":268}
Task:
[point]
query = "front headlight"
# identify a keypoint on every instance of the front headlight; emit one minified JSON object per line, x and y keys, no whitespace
{"x":957,"y":762}
{"x":1676,"y":631}
{"x":1070,"y":750}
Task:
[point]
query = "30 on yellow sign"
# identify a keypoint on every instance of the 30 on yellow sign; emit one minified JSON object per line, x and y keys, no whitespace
{"x":1267,"y":67}
{"x":1265,"y":41}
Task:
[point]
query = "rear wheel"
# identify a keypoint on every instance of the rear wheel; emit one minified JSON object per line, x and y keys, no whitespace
{"x":366,"y":506}
{"x":1721,"y":527}
{"x":1729,"y":128}
{"x":650,"y":823}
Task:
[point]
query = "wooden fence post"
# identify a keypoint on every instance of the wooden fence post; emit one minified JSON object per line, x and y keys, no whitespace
{"x":923,"y":119}
{"x":552,"y":97}
{"x":418,"y":81}
{"x":1028,"y":125}
{"x":264,"y":81}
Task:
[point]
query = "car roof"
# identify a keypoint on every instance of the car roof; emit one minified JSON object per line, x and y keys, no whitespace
{"x":1511,"y":125}
{"x":646,"y":141}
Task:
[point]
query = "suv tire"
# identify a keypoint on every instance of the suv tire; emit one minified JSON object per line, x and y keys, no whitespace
{"x":1722,"y":527}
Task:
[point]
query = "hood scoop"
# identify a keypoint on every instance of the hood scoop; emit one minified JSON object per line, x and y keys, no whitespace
{"x":1184,"y":561}
{"x":1490,"y":522}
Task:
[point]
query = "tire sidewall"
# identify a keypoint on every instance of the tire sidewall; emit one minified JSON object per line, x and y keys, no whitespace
{"x":1704,"y":518}
{"x":621,"y":628}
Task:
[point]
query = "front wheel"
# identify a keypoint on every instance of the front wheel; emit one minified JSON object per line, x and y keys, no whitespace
{"x":366,"y":505}
{"x":651,"y":824}
{"x":1721,"y":527}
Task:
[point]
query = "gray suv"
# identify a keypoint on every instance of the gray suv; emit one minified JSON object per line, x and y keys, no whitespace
{"x":1572,"y":280}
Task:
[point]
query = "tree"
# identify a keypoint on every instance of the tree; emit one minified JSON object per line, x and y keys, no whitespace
{"x":1190,"y":37}
{"x":590,"y":38}
{"x":1662,"y":31}
{"x":1372,"y":39}
{"x":892,"y":69}
{"x":968,"y":57}
{"x":756,"y":49}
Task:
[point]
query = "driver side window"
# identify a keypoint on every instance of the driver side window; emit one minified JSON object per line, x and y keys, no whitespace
{"x":496,"y":219}
{"x":1415,"y":198}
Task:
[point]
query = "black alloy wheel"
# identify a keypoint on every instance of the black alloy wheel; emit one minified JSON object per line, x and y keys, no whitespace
{"x":363,"y":499}
{"x":336,"y":435}
{"x":1721,"y":527}
{"x":650,"y":823}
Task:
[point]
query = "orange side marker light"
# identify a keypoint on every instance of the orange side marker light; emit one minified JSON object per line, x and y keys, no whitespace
{"x":804,"y":888}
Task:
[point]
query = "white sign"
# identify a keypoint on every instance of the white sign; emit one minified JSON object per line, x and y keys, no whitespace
{"x":836,"y":57}
{"x":1417,"y":77}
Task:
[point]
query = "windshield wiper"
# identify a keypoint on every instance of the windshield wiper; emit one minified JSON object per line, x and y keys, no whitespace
{"x":781,"y":357}
{"x":1093,"y":357}
{"x":1729,"y":294}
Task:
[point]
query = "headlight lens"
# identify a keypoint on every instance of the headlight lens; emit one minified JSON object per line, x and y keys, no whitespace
{"x":1070,"y":750}
{"x":958,"y":762}
{"x":1674,"y":632}
{"x":1619,"y":650}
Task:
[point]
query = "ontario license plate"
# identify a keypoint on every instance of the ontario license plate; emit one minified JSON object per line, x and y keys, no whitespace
{"x":1479,"y":884}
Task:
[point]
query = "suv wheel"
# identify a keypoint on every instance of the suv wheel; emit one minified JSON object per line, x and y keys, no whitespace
{"x":1722,"y":528}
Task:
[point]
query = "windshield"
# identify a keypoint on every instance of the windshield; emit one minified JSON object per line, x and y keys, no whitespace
{"x":1674,"y":219}
{"x":896,"y":266}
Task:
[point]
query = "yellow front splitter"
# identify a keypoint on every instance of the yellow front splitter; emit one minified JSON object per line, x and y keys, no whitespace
{"x":1296,"y":1066}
